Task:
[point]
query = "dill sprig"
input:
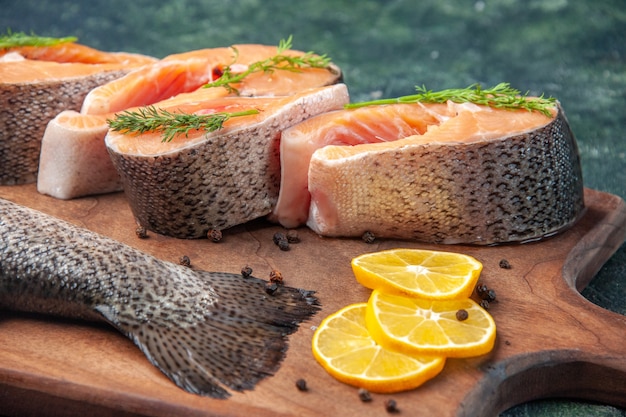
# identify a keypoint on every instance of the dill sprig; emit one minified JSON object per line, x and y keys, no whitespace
{"x":280,"y":61}
{"x":17,"y":39}
{"x":501,"y":96}
{"x":170,"y":125}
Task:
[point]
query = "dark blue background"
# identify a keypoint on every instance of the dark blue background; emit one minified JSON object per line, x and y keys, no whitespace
{"x":572,"y":50}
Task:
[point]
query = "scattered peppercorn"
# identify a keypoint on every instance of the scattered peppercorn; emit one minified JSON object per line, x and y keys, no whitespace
{"x":507,"y":342}
{"x":278,"y":236}
{"x":271,"y":288}
{"x":141,"y":232}
{"x":364,"y":395}
{"x":215,"y":235}
{"x":484,"y":304}
{"x":292,"y":236}
{"x":276,"y":277}
{"x":481,"y":289}
{"x":281,"y":241}
{"x":462,"y":315}
{"x":184,"y":260}
{"x":504,"y":264}
{"x":246,"y":271}
{"x":485,"y":293}
{"x":301,"y":385}
{"x":368,"y":237}
{"x":391,"y":406}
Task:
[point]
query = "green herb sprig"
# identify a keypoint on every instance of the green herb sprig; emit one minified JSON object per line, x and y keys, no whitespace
{"x":17,"y":39}
{"x":170,"y":125}
{"x":280,"y":61}
{"x":501,"y":96}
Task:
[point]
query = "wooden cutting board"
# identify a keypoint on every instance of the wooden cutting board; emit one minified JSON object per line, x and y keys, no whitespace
{"x":551,"y":341}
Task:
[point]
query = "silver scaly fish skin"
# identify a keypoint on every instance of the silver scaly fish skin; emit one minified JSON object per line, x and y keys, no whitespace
{"x":206,"y":331}
{"x":516,"y":188}
{"x":228,"y":178}
{"x":26,"y":110}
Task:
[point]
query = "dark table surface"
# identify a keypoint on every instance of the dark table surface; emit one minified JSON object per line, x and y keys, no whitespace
{"x":574,"y":51}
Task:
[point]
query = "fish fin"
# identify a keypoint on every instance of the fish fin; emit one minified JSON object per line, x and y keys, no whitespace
{"x":242,"y":340}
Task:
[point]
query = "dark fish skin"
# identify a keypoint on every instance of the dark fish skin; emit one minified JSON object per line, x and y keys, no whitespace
{"x":22,"y":127}
{"x":227,"y":179}
{"x":517,"y":188}
{"x":206,"y":331}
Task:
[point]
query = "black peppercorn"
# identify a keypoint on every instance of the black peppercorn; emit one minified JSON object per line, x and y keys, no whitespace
{"x":271,"y":288}
{"x":504,"y":264}
{"x":368,"y":237}
{"x":278,"y":236}
{"x":141,"y":232}
{"x":485,"y":293}
{"x":391,"y":406}
{"x":481,"y":289}
{"x":462,"y":315}
{"x":215,"y":235}
{"x":301,"y":385}
{"x":292,"y":236}
{"x":246,"y":271}
{"x":281,"y":241}
{"x":364,"y":395}
{"x":184,"y":260}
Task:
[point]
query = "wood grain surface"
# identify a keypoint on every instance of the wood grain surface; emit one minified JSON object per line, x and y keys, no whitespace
{"x":551,"y":341}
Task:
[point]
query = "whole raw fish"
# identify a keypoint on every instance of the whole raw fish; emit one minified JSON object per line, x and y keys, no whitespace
{"x":207,"y":331}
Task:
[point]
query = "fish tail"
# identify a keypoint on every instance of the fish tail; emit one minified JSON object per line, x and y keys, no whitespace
{"x":242,"y":340}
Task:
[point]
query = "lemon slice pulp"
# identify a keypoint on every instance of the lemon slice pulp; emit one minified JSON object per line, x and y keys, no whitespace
{"x":343,"y":345}
{"x":452,"y":328}
{"x":418,"y":273}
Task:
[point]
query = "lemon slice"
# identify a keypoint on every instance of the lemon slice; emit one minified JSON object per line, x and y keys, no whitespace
{"x":430,"y":327}
{"x":418,"y":273}
{"x":344,"y":347}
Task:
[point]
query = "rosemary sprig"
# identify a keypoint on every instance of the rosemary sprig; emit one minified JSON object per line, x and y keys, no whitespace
{"x":501,"y":96}
{"x":17,"y":39}
{"x":280,"y":61}
{"x":170,"y":125}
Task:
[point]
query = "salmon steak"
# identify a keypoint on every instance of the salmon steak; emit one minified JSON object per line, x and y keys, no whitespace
{"x":441,"y":173}
{"x":71,"y":163}
{"x":202,"y":181}
{"x":340,"y":127}
{"x":188,"y":71}
{"x":37,"y":83}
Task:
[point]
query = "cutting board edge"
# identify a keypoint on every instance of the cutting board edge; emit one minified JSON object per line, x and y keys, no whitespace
{"x":511,"y":378}
{"x":546,"y":375}
{"x":459,"y":409}
{"x":597,"y":246}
